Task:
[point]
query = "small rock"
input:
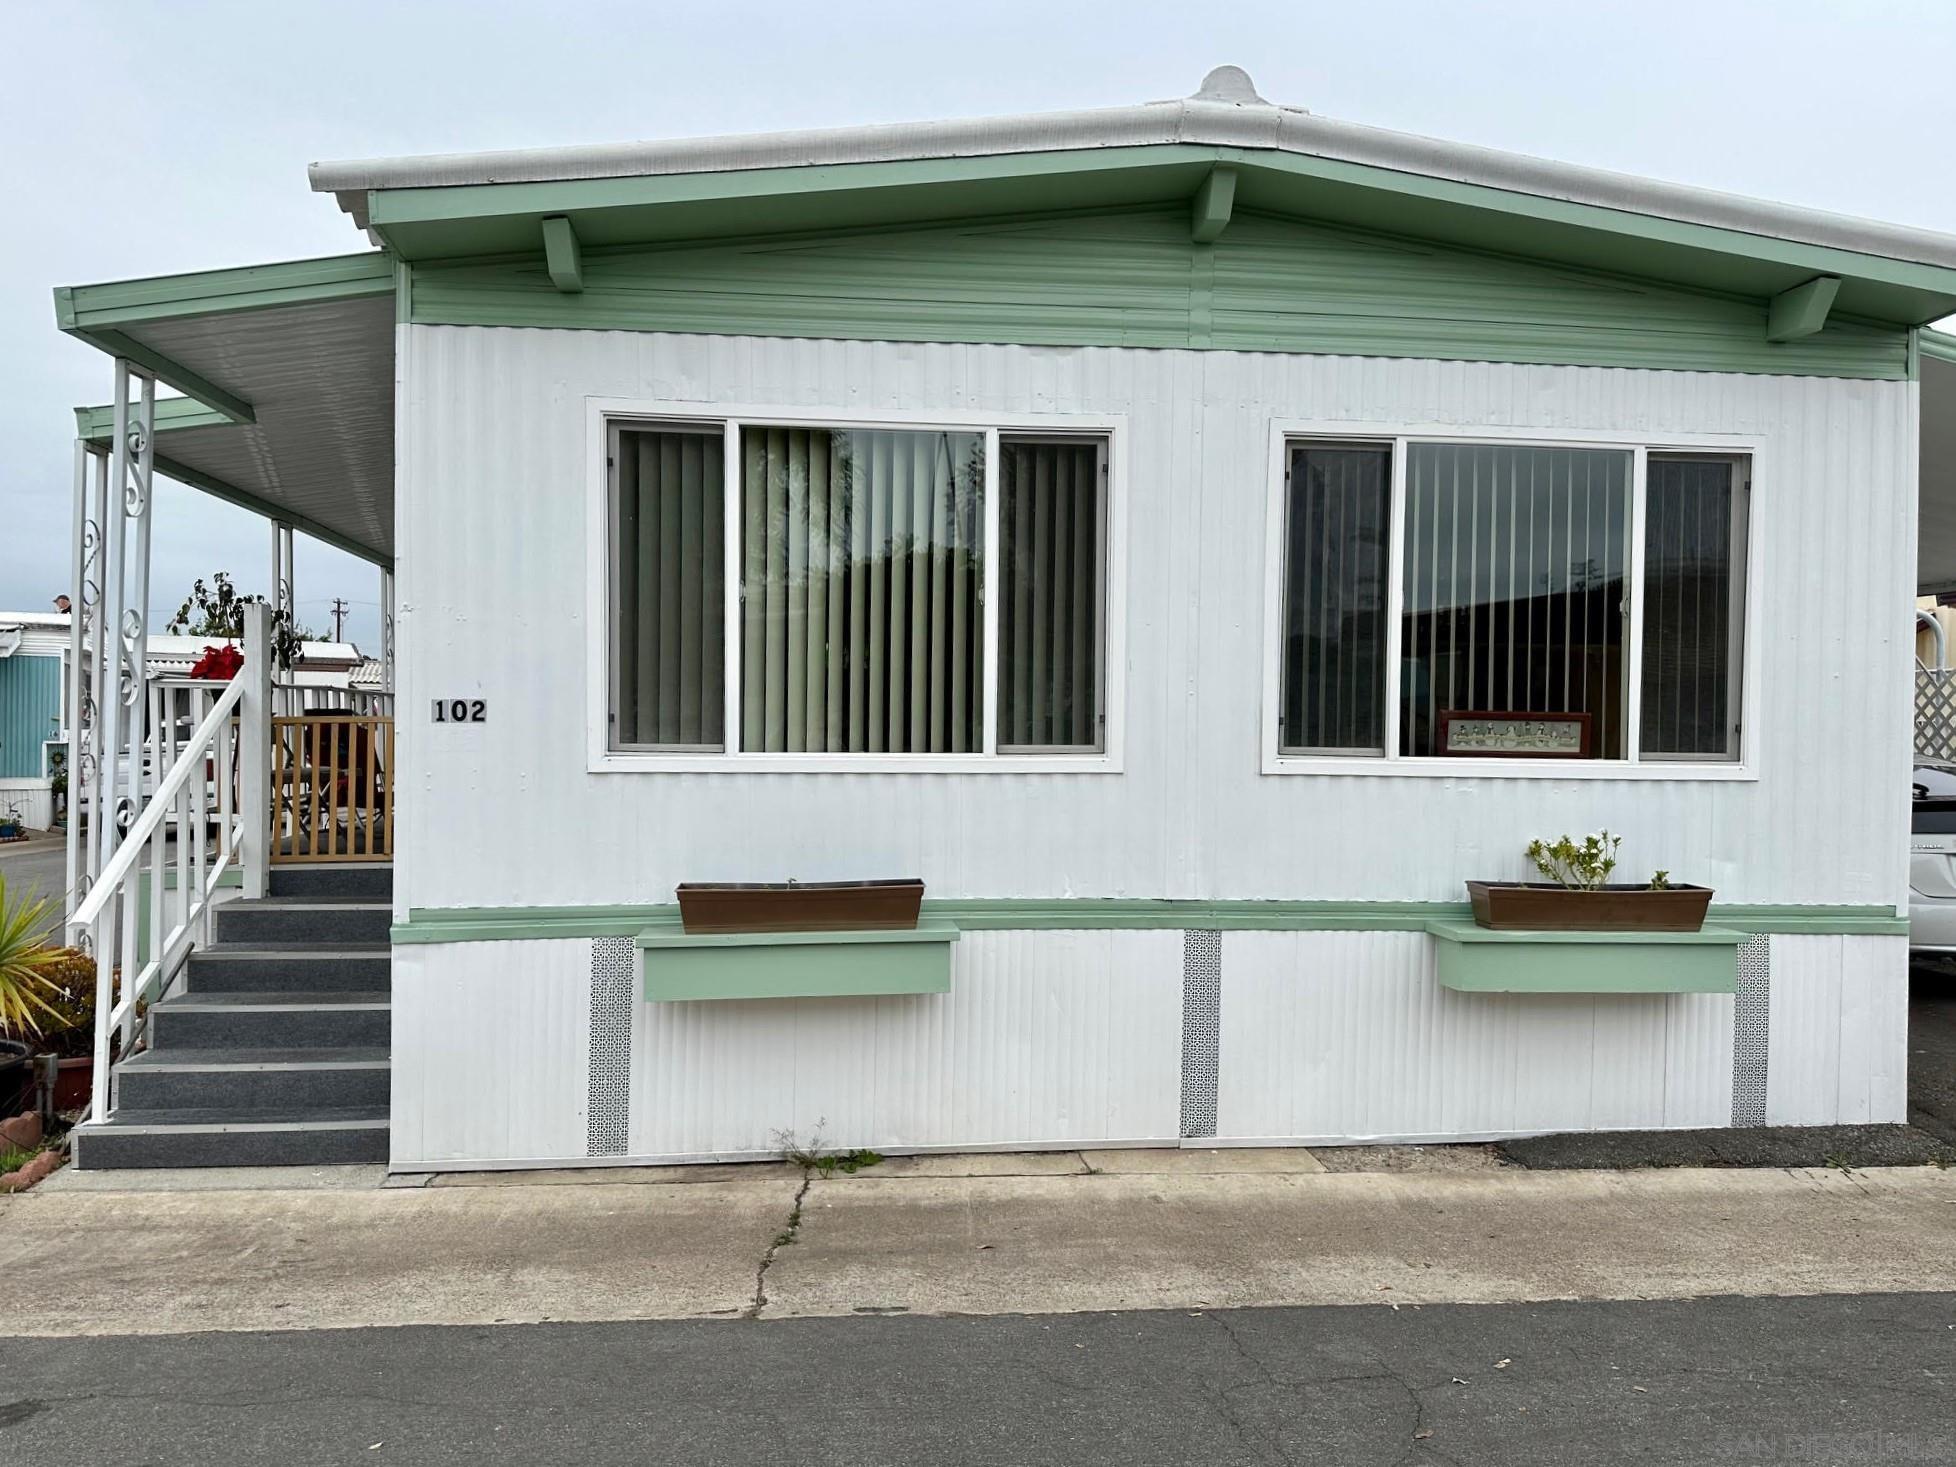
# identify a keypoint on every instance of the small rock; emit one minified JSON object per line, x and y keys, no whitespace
{"x":21,"y":1132}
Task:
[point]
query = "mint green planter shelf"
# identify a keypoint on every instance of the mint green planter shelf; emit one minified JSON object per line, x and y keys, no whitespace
{"x":681,"y":966}
{"x":1478,"y":960}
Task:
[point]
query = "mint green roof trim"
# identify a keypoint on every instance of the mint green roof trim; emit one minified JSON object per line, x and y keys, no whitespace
{"x":1134,"y":278}
{"x":109,"y":315}
{"x":1938,"y":344}
{"x":1802,"y":310}
{"x":97,"y":424}
{"x":502,"y":218}
{"x":561,"y":256}
{"x":509,"y":924}
{"x":122,"y":303}
{"x":1474,"y":960}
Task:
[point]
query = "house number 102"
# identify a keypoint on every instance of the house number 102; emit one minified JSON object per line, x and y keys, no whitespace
{"x":460,"y":710}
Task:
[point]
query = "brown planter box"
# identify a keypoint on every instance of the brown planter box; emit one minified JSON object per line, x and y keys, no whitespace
{"x":74,"y":1083}
{"x":795,"y":906}
{"x":1538,"y":906}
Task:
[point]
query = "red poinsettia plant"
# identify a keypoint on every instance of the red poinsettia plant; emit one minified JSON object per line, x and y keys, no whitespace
{"x":218,"y":663}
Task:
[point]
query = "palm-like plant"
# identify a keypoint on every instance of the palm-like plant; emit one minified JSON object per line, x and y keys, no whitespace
{"x":26,"y":985}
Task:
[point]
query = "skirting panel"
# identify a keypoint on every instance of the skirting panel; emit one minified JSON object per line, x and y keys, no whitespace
{"x":1044,"y":1038}
{"x":1348,"y":1036}
{"x":543,"y":1052}
{"x":1838,"y":1025}
{"x":490,"y":1047}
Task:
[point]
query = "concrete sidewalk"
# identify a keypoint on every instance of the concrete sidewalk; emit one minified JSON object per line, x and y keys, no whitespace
{"x":1169,"y":1230}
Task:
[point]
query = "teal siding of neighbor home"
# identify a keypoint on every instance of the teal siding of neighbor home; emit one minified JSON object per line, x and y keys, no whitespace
{"x":1136,"y":279}
{"x":30,"y":713}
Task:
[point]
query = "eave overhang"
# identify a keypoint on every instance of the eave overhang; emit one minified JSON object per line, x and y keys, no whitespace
{"x":288,"y":374}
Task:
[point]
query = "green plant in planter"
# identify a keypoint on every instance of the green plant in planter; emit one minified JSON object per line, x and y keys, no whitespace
{"x":70,"y":1032}
{"x":1580,"y":865}
{"x":26,"y":991}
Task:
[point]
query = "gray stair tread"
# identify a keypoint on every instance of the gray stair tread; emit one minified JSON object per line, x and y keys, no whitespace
{"x":304,"y":904}
{"x":230,"y":1117}
{"x":244,"y":952}
{"x":252,"y":1059}
{"x":327,"y":998}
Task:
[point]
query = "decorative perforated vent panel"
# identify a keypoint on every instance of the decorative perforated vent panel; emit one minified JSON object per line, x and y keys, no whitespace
{"x":1201,"y":1030}
{"x":1749,"y":1033}
{"x":608,"y":1105}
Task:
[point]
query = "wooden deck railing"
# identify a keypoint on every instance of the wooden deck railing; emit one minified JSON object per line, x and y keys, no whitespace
{"x":332,"y":788}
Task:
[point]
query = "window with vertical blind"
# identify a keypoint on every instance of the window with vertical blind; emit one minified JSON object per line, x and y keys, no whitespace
{"x":891,"y":591}
{"x":1483,"y":599}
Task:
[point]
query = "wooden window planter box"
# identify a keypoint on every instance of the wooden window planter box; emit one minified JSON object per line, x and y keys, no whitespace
{"x":1540,"y":906}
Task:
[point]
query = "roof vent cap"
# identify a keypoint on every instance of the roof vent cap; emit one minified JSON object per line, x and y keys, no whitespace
{"x":1229,"y":84}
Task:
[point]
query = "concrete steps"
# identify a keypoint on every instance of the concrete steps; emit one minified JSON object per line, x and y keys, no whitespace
{"x":274,"y":1051}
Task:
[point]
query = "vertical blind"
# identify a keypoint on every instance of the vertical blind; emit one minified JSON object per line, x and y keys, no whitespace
{"x":669,"y":570}
{"x":1693,"y":528}
{"x":1514,"y":594}
{"x":1333,"y":656}
{"x":1051,"y":594}
{"x":862,"y":564}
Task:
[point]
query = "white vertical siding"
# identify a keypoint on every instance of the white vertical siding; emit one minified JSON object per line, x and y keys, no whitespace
{"x":1838,"y":1027}
{"x":1046,"y":1038}
{"x":1053,"y":1039}
{"x":495,"y":482}
{"x":1349,"y":1036}
{"x":490,"y":1047}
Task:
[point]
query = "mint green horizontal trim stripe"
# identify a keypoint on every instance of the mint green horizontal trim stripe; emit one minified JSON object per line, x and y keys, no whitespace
{"x":512,"y":924}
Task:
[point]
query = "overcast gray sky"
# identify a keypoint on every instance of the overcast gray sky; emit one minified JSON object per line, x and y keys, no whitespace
{"x":139,"y":138}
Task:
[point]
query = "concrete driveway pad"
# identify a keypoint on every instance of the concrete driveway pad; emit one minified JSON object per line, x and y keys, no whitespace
{"x":1037,"y":1244}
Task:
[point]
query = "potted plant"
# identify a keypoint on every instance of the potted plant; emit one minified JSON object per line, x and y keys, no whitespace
{"x":799,"y":906}
{"x":26,"y":991}
{"x":1579,"y":896}
{"x":11,"y":826}
{"x":67,"y":1039}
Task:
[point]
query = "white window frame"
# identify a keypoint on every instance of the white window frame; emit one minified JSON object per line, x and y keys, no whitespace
{"x":604,"y":413}
{"x":1397,"y":436}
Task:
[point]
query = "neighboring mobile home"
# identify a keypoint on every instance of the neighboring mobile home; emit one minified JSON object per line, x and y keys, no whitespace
{"x":1159,"y":529}
{"x":33,"y":732}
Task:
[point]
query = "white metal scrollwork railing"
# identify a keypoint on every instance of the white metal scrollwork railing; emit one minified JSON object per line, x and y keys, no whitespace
{"x":194,"y":797}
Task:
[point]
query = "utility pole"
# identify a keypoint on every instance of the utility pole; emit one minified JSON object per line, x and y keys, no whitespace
{"x":339,"y":618}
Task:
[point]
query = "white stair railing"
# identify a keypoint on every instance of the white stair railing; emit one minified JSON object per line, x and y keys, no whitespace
{"x":208,"y":781}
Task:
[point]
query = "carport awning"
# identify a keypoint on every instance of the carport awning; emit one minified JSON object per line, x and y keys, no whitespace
{"x":289,"y":376}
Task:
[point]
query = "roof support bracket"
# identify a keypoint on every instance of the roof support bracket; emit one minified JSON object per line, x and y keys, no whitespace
{"x":1209,"y":214}
{"x":561,"y":255}
{"x":1802,"y":310}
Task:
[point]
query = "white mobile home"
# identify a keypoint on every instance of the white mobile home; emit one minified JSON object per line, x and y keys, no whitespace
{"x":1193,"y":538}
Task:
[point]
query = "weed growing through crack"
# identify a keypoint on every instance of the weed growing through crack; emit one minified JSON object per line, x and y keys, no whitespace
{"x":814,"y":1156}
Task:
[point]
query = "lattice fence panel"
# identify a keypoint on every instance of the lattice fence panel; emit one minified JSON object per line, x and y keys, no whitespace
{"x":1935,"y":713}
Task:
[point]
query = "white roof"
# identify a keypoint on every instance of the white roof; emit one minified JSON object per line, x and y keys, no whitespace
{"x":1225,"y":112}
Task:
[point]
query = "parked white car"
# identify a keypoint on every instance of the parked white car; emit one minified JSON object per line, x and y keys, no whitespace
{"x":1932,"y":858}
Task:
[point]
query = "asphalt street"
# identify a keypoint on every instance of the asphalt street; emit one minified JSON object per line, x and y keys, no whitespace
{"x":1835,"y":1380}
{"x":36,"y":868}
